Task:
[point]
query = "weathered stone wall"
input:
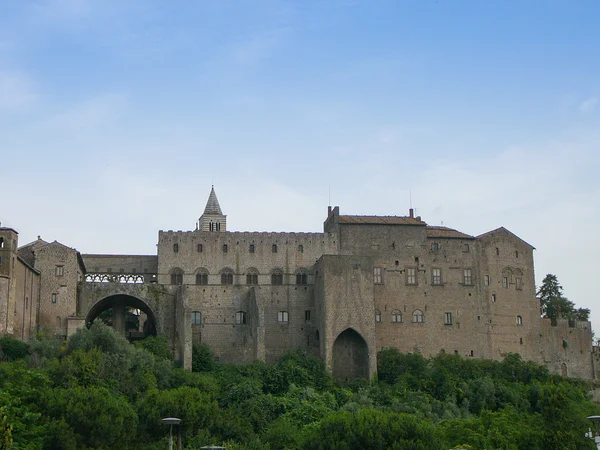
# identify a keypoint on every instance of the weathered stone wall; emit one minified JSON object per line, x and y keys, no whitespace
{"x":566,"y":347}
{"x":54,"y":315}
{"x":27,"y":284}
{"x":344,"y":295}
{"x":130,"y":264}
{"x":512,"y":310}
{"x":8,"y":281}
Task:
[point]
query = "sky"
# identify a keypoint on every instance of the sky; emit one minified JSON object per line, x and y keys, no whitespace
{"x":117,"y":117}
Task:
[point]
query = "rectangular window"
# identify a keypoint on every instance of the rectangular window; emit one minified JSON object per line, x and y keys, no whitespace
{"x":505,"y":282}
{"x":466,"y":248}
{"x":436,"y":276}
{"x":377,"y":277}
{"x":196,"y":318}
{"x":59,"y":271}
{"x":377,"y":316}
{"x":252,"y":279}
{"x":199,"y":248}
{"x":435,"y":246}
{"x":493,"y":298}
{"x":175,"y":248}
{"x":301,"y":248}
{"x":282,"y":317}
{"x":54,"y":296}
{"x":274,"y":248}
{"x":518,"y":283}
{"x":240,"y":318}
{"x":411,"y":275}
{"x":225,"y":248}
{"x":307,"y":315}
{"x":487,"y":280}
{"x":448,"y":318}
{"x":467,"y":276}
{"x":251,"y":248}
{"x":497,"y":251}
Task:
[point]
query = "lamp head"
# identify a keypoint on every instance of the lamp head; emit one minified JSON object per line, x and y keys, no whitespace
{"x":171,"y":421}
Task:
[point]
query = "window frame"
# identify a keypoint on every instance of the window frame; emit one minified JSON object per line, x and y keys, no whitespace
{"x":418,"y":316}
{"x":468,"y":276}
{"x":301,"y":278}
{"x":377,"y":275}
{"x":412,"y":276}
{"x":377,"y":316}
{"x":505,"y":282}
{"x":436,"y":280}
{"x":201,"y":278}
{"x":448,"y":318}
{"x":241,"y":318}
{"x":276,"y":278}
{"x":283,"y":317}
{"x":397,"y":316}
{"x":519,"y":320}
{"x":54,"y":298}
{"x":227,"y":277}
{"x":59,"y":270}
{"x":251,"y":278}
{"x":196,"y":318}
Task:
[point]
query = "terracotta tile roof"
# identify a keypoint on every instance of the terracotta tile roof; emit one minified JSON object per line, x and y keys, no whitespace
{"x":381,"y":220}
{"x":445,"y":232}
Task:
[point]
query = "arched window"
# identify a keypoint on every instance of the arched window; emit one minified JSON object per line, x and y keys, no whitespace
{"x":196,"y":318}
{"x":277,"y":278}
{"x":418,"y":316}
{"x":301,"y":278}
{"x":177,"y":276}
{"x":519,"y":321}
{"x":227,"y":276}
{"x":240,"y":318}
{"x":377,"y":316}
{"x":252,"y":277}
{"x":202,"y":277}
{"x":396,"y":316}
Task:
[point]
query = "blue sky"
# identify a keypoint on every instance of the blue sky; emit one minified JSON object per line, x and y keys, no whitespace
{"x":116,"y":117}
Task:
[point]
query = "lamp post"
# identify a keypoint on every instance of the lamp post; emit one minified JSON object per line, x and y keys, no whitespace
{"x":171,"y":421}
{"x":595,"y":435}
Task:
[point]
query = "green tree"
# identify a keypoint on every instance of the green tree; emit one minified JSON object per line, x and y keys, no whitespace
{"x":555,"y":305}
{"x":5,"y":430}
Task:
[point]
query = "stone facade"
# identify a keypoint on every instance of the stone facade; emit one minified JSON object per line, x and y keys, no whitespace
{"x":364,"y":284}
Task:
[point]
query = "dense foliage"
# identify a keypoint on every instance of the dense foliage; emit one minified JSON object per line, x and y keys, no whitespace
{"x":96,"y":390}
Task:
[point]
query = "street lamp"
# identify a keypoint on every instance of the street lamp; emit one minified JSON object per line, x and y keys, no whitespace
{"x":171,"y":421}
{"x":595,"y":435}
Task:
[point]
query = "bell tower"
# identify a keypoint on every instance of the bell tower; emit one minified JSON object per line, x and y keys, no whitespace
{"x":213,"y":218}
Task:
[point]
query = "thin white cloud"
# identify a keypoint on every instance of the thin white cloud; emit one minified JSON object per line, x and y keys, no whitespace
{"x":588,"y":106}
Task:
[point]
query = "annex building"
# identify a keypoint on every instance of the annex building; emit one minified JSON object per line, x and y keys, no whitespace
{"x":363,"y":284}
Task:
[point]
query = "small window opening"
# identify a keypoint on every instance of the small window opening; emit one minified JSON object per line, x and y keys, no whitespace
{"x":199,"y":248}
{"x":196,"y":318}
{"x":54,"y":296}
{"x":307,"y":315}
{"x":448,"y":318}
{"x":240,"y":318}
{"x":301,"y":248}
{"x":274,"y":248}
{"x":282,"y":317}
{"x":497,"y":251}
{"x":225,"y":248}
{"x":377,"y":316}
{"x":251,"y":248}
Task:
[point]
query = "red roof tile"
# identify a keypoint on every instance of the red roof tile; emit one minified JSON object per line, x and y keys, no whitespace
{"x":445,"y":232}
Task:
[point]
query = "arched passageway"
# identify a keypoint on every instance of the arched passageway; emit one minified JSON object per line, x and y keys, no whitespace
{"x":350,"y":356}
{"x":127,"y":314}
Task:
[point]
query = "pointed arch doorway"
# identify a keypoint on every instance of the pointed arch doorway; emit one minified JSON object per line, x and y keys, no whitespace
{"x":350,"y":356}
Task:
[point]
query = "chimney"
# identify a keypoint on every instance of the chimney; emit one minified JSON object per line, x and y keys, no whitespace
{"x":411,"y":213}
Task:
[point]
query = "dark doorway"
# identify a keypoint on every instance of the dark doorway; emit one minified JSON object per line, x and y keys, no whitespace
{"x":350,"y":356}
{"x":127,"y":314}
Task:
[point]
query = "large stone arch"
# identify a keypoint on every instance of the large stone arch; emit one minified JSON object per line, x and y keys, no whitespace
{"x":119,"y":303}
{"x":350,"y":356}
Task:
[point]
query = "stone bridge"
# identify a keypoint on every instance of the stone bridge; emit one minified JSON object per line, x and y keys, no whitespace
{"x":160,"y":308}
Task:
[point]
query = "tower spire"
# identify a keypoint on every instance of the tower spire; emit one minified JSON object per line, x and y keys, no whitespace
{"x":213,"y":218}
